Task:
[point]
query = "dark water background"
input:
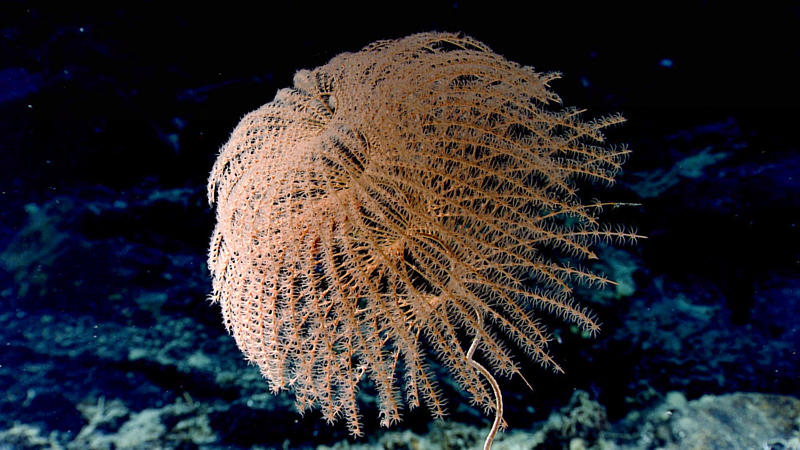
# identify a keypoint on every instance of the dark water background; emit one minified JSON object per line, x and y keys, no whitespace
{"x":111,"y":117}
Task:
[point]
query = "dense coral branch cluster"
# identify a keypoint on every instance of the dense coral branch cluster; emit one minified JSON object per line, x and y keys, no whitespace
{"x":399,"y":199}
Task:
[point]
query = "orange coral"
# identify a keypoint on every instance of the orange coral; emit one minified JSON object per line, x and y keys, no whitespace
{"x":401,"y":195}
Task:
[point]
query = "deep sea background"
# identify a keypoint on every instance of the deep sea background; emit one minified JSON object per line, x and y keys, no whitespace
{"x":111,"y":117}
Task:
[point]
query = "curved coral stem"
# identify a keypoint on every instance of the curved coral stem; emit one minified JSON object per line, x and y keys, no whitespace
{"x":498,"y":397}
